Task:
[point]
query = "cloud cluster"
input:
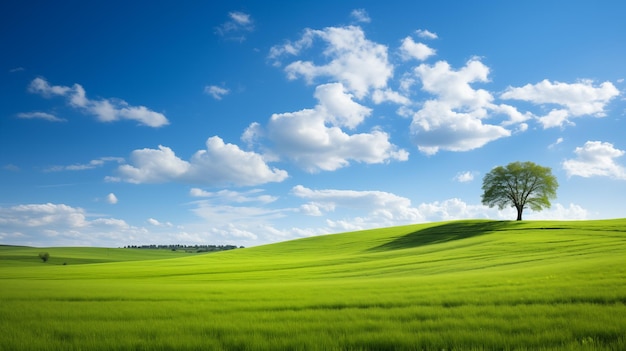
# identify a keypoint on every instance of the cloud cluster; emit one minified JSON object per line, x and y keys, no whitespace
{"x":105,"y":110}
{"x":573,"y":100}
{"x":453,"y":119}
{"x":595,"y":158}
{"x":314,"y":138}
{"x":450,"y":109}
{"x":358,"y":63}
{"x":242,"y":218}
{"x":39,"y":224}
{"x":220,"y":164}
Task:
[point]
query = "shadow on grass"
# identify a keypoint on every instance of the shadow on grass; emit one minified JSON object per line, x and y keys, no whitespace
{"x":443,"y":233}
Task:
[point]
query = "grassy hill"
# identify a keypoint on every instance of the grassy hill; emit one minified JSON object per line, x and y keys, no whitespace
{"x":462,"y":285}
{"x":28,"y":256}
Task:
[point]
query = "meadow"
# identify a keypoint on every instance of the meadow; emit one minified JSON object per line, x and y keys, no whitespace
{"x":461,"y":285}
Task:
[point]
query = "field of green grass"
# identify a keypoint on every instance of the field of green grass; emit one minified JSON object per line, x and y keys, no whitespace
{"x":462,"y":285}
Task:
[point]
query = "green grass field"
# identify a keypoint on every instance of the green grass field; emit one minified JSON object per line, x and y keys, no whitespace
{"x":463,"y":285}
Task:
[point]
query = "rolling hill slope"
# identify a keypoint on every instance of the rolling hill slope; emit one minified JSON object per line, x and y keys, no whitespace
{"x":452,"y":285}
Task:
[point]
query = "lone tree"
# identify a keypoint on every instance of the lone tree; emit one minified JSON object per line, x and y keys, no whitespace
{"x":519,"y":185}
{"x":44,"y":256}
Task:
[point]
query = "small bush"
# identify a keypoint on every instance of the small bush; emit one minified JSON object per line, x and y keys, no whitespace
{"x":44,"y":256}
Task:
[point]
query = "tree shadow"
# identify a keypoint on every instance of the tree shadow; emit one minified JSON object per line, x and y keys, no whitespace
{"x":443,"y":233}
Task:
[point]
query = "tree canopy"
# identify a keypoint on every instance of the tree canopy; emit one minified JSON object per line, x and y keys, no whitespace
{"x":519,"y":185}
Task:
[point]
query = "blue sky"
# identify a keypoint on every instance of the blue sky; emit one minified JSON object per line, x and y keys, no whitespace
{"x":249,"y":122}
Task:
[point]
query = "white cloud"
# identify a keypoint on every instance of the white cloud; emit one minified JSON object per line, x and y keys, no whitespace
{"x":453,"y":121}
{"x":40,"y":115}
{"x":555,"y":118}
{"x":358,"y":63}
{"x":106,"y":110}
{"x":436,"y":127}
{"x":223,"y":215}
{"x":557,"y":142}
{"x":360,"y":15}
{"x":111,"y":198}
{"x":242,"y":19}
{"x":157,"y":223}
{"x":86,"y":166}
{"x":380,"y":96}
{"x":559,"y":212}
{"x":377,"y":203}
{"x":338,"y":107}
{"x":577,"y":99}
{"x":62,"y":225}
{"x":218,"y":164}
{"x":231,"y":231}
{"x":426,"y":34}
{"x":595,"y":158}
{"x":216,"y":92}
{"x":465,"y":177}
{"x":41,"y":86}
{"x":230,"y":196}
{"x":237,"y":26}
{"x":313,"y":139}
{"x":410,"y":49}
{"x":292,"y":48}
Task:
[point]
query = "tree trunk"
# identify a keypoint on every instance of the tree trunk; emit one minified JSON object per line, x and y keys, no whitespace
{"x":519,"y":212}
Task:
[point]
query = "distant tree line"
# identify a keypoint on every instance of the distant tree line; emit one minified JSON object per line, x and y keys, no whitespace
{"x":196,"y":248}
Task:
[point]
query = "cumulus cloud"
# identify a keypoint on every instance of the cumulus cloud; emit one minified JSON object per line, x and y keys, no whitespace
{"x":360,"y":15}
{"x":412,"y":50}
{"x":111,"y":199}
{"x":380,"y":96}
{"x":465,"y":177}
{"x":105,"y":110}
{"x":216,"y":92}
{"x":358,"y":63}
{"x":454,"y":119}
{"x":596,"y":158}
{"x":218,"y":164}
{"x":573,"y":100}
{"x":313,"y":138}
{"x":426,"y":34}
{"x":40,"y":115}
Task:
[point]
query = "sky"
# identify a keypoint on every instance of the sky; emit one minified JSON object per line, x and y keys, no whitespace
{"x":253,"y":122}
